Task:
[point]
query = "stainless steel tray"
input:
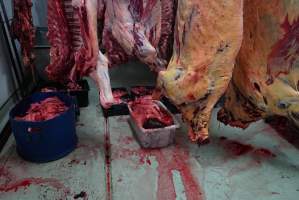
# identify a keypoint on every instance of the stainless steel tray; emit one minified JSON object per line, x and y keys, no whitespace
{"x":154,"y":138}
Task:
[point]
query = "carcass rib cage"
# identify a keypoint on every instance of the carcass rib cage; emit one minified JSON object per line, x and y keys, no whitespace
{"x":146,"y":38}
{"x":73,"y":24}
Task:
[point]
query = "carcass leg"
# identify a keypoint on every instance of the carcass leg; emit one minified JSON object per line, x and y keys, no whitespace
{"x":146,"y":52}
{"x":102,"y":80}
{"x":100,"y":75}
{"x":133,"y":41}
{"x":131,"y":36}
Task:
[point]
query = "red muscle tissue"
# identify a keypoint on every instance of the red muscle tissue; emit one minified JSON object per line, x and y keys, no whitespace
{"x":45,"y":110}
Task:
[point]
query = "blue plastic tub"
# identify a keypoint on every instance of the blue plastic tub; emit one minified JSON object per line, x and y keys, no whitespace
{"x":47,"y":140}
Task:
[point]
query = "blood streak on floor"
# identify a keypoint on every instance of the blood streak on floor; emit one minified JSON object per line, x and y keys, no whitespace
{"x":177,"y":159}
{"x":107,"y":159}
{"x":10,"y":183}
{"x":235,"y":148}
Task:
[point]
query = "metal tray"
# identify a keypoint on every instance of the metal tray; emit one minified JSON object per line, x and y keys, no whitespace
{"x":154,"y":138}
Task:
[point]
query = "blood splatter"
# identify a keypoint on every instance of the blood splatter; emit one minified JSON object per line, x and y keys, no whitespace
{"x":235,"y":148}
{"x":24,"y":183}
{"x":15,"y":185}
{"x":143,"y":160}
{"x":74,"y":162}
{"x":263,"y":153}
{"x":108,"y":159}
{"x":5,"y":176}
{"x":168,"y":161}
{"x":10,"y":183}
{"x":148,"y":161}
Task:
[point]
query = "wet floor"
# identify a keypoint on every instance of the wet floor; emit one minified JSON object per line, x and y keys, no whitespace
{"x":256,"y":163}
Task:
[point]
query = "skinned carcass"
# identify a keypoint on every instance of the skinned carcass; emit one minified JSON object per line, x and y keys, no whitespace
{"x":140,"y":29}
{"x":62,"y":60}
{"x":129,"y":29}
{"x":208,"y":35}
{"x":266,"y":78}
{"x":74,"y":44}
{"x":23,"y":30}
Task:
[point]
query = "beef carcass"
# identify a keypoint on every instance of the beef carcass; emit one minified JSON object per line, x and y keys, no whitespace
{"x":23,"y":29}
{"x":208,"y":35}
{"x":74,"y":44}
{"x":74,"y":48}
{"x":140,"y":29}
{"x":131,"y":29}
{"x":266,"y":78}
{"x":61,"y":56}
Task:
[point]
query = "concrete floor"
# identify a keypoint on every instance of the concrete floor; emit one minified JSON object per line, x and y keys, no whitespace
{"x":241,"y":165}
